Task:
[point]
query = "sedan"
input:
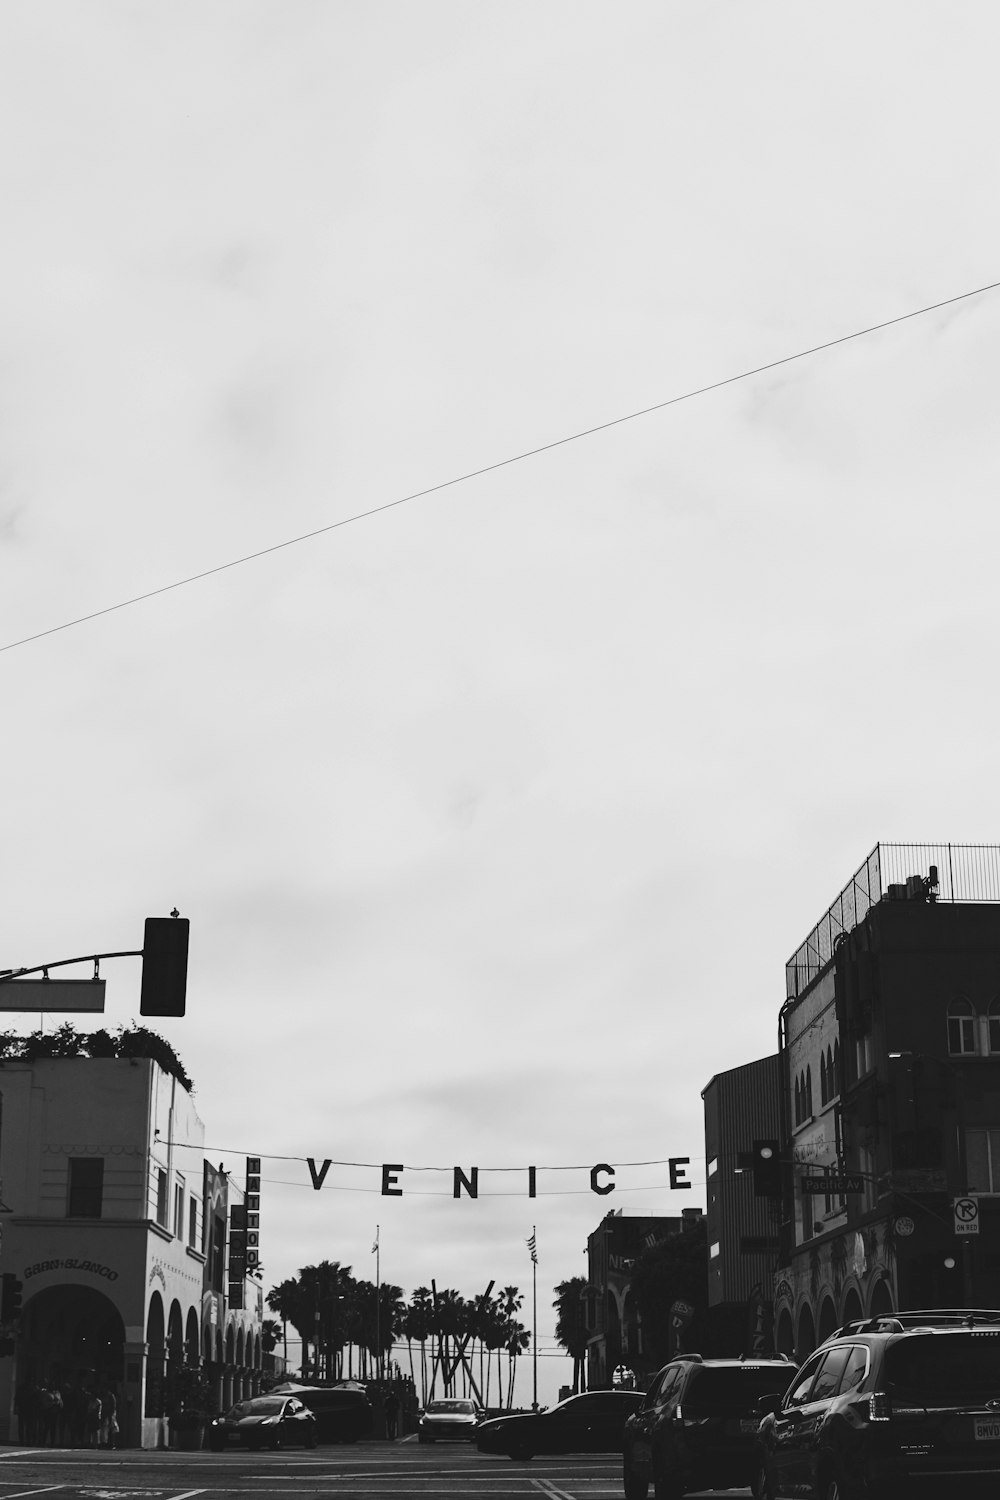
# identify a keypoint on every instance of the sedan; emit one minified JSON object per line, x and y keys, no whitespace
{"x":452,"y":1418}
{"x":264,"y":1421}
{"x":591,"y":1423}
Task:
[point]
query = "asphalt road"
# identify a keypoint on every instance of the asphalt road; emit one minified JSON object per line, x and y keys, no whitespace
{"x":394,"y":1471}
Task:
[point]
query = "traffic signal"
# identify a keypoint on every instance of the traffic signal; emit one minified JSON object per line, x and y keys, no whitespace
{"x":164,"y":966}
{"x":10,"y":1304}
{"x":766,"y":1170}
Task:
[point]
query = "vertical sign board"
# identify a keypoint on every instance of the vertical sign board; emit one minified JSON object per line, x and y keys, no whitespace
{"x":244,"y":1234}
{"x":253,"y":1212}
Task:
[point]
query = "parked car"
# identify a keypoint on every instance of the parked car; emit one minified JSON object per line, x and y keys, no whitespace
{"x":264,"y":1421}
{"x":343,"y":1412}
{"x":890,"y":1406}
{"x":697,"y":1424}
{"x":590,"y":1423}
{"x":449,"y":1418}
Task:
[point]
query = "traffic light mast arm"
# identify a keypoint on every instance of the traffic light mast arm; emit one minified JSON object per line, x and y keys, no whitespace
{"x":62,"y":963}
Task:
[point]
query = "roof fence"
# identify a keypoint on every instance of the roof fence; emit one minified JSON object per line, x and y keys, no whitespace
{"x":965,"y":872}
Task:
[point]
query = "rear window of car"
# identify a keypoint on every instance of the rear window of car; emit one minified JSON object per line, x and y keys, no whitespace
{"x":951,"y":1364}
{"x":466,"y":1408}
{"x":737,"y":1386}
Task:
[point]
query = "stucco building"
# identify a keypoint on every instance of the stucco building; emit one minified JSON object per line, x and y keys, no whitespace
{"x":116,"y":1227}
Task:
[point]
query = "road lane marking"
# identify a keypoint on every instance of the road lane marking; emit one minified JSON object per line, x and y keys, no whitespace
{"x":548,"y":1488}
{"x":187,"y":1495}
{"x":44,"y":1490}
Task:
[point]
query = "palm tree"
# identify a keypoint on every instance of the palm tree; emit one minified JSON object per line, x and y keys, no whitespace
{"x":418,"y":1326}
{"x":510,"y":1301}
{"x":571,"y":1327}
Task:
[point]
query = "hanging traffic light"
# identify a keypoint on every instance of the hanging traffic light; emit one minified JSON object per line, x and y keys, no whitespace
{"x":766,"y":1170}
{"x":164,"y":966}
{"x":10,"y":1301}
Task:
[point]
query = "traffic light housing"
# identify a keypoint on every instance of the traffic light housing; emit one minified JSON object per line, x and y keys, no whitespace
{"x":766,"y":1169}
{"x":164,"y":966}
{"x":10,"y":1303}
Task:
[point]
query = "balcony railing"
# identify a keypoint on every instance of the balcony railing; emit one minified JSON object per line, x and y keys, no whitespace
{"x":966,"y":872}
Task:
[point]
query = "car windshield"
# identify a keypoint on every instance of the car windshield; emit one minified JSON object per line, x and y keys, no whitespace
{"x":736,"y":1387}
{"x":465,"y":1407}
{"x":263,"y":1406}
{"x":952,"y":1364}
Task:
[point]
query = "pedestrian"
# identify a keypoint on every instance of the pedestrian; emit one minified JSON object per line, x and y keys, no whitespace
{"x":109,"y":1418}
{"x":391,"y":1414}
{"x":92,"y":1422}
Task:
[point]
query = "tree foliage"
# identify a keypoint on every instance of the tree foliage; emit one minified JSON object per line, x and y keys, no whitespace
{"x":66,"y":1041}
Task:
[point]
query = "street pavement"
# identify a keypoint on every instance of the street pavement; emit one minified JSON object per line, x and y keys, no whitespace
{"x":365,"y":1471}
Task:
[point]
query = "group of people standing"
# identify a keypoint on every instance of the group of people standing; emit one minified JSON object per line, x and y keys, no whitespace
{"x":63,"y":1414}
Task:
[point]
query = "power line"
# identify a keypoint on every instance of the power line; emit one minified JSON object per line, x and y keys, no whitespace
{"x":502,"y":463}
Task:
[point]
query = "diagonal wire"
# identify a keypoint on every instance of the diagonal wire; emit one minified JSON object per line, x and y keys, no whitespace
{"x":502,"y":463}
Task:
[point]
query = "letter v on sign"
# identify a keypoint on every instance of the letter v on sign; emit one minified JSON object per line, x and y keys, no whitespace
{"x":317,"y":1177}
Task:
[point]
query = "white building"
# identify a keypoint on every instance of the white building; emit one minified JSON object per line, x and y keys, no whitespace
{"x":115,"y":1226}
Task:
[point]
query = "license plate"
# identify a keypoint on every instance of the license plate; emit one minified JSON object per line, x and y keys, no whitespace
{"x":986,"y":1429}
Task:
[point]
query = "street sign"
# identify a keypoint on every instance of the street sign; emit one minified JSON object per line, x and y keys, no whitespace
{"x":846,"y":1182}
{"x":966,"y":1215}
{"x":52,"y":994}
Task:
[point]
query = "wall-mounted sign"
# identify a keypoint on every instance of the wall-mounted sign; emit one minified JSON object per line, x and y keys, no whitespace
{"x":842,"y":1184}
{"x":966,"y":1212}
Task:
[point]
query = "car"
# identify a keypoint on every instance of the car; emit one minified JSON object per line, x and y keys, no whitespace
{"x":901,"y":1404}
{"x":343,"y":1412}
{"x":696,"y":1426}
{"x":588,"y":1423}
{"x":451,"y":1417}
{"x":264,"y":1421}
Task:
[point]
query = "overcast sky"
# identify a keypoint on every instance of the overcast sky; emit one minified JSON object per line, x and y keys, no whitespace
{"x":496,"y":815}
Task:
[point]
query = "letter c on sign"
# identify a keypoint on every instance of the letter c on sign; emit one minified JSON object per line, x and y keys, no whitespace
{"x":389,"y":1174}
{"x":601,"y":1187}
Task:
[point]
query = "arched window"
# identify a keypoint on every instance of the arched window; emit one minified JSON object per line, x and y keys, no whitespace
{"x":835,"y":1080}
{"x":824,"y":1092}
{"x":993,"y":1026}
{"x":809,"y":1092}
{"x":961,"y":1027}
{"x":798,"y":1101}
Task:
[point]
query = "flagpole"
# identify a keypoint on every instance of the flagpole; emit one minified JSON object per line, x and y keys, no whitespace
{"x":378,"y":1308}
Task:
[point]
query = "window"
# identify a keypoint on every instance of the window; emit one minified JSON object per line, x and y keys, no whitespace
{"x":86,"y":1187}
{"x":714,"y":1250}
{"x":193,"y":1222}
{"x":993,"y":1027}
{"x":161,"y":1197}
{"x":179,"y":1210}
{"x":856,"y":1368}
{"x":809,"y":1093}
{"x":982,"y":1160}
{"x":799,"y":1393}
{"x":828,"y":1378}
{"x":961,"y":1027}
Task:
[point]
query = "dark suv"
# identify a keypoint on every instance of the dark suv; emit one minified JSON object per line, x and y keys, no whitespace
{"x":696,"y":1426}
{"x":903,"y":1404}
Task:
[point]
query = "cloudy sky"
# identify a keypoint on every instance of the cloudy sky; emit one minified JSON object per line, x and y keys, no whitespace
{"x":496,"y":814}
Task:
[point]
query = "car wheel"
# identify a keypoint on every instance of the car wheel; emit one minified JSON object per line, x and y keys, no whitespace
{"x":636,"y":1485}
{"x":276,"y":1442}
{"x":833,"y":1486}
{"x":666,"y":1485}
{"x":761,"y":1486}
